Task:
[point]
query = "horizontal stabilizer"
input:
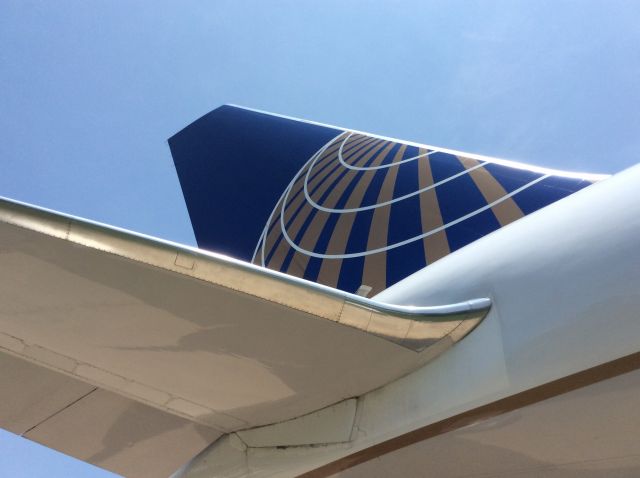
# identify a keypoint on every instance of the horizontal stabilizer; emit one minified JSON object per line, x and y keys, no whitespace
{"x":129,"y":340}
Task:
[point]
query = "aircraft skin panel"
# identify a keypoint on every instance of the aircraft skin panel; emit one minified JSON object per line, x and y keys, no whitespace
{"x":123,"y":436}
{"x":34,"y":394}
{"x":343,"y":208}
{"x":587,"y":433}
{"x":93,"y":425}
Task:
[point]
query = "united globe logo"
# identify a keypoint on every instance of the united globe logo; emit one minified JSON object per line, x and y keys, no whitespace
{"x":367,"y":211}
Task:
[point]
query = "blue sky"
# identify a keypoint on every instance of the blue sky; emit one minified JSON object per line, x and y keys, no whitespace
{"x":90,"y":92}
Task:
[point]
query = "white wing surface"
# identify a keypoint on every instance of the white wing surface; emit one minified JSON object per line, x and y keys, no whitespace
{"x":134,"y":354}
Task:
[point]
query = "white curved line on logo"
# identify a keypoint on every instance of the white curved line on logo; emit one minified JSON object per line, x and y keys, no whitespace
{"x":382,"y":166}
{"x":406,"y":241}
{"x":262,"y":239}
{"x":386,"y":203}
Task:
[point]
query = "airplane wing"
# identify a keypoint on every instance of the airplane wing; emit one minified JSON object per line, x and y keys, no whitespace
{"x":134,"y":354}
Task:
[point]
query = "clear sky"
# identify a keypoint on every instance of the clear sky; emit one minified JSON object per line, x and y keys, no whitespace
{"x":91,"y":90}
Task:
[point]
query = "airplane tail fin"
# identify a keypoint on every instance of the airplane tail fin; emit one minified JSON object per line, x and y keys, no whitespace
{"x":343,"y":208}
